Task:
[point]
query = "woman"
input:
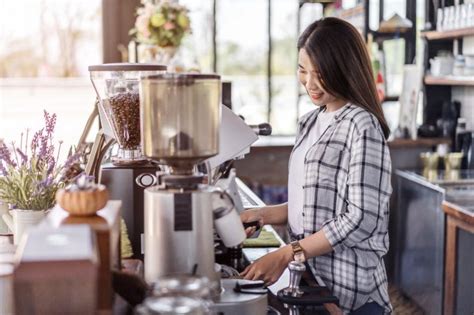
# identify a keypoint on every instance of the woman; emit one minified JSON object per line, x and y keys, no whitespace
{"x":339,"y":175}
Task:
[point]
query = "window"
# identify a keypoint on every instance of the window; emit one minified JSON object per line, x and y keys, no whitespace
{"x":242,"y":55}
{"x":44,"y":53}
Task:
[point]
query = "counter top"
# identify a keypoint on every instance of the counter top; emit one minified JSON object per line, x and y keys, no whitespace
{"x":457,"y":186}
{"x":252,"y":254}
{"x":278,"y":141}
{"x":463,"y":212}
{"x":440,"y":178}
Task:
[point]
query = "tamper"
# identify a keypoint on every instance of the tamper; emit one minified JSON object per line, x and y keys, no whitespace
{"x":296,"y":271}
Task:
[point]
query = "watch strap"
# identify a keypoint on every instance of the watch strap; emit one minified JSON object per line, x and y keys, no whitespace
{"x":298,"y":253}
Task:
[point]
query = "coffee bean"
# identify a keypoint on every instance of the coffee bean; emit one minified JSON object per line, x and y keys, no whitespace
{"x":125,"y":109}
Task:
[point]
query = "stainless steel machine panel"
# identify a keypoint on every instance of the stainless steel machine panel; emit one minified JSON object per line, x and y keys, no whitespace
{"x":178,"y":233}
{"x":233,"y":303}
{"x":180,"y":117}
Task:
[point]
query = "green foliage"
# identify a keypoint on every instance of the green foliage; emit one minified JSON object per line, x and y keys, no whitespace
{"x":26,"y":187}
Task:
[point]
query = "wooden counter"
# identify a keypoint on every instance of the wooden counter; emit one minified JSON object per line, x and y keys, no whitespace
{"x":106,"y":227}
{"x":460,"y":219}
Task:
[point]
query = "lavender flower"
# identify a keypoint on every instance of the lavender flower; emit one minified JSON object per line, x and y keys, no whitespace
{"x":50,"y":123}
{"x":51,"y":166}
{"x":3,"y":170}
{"x":5,"y":155}
{"x":35,"y":141}
{"x":23,"y":156}
{"x":43,"y":153}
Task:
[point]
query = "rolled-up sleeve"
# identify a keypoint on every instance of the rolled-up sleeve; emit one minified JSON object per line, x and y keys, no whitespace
{"x":368,"y":192}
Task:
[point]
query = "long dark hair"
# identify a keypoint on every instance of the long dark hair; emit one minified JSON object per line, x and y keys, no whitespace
{"x":338,"y":52}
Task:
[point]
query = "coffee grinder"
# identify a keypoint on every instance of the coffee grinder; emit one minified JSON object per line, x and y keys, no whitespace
{"x":180,"y":119}
{"x":128,"y":172}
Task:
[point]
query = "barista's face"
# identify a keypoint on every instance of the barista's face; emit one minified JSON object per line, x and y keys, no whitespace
{"x":309,"y":77}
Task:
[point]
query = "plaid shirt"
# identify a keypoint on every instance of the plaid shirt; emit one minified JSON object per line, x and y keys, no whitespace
{"x":346,"y":194}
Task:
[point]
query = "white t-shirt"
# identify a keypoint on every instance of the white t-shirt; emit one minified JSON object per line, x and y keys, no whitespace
{"x":296,"y":174}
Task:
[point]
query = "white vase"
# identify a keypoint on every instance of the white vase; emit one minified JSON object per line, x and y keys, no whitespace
{"x":3,"y":210}
{"x":20,"y":221}
{"x":6,"y":289}
{"x":155,"y":54}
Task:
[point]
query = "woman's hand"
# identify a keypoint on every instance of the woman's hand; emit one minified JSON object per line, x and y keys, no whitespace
{"x":251,"y":215}
{"x":270,"y":267}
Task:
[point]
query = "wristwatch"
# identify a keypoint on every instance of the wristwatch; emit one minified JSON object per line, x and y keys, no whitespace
{"x":298,"y":253}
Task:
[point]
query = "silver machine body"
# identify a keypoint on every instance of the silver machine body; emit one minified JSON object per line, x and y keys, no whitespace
{"x":179,"y":233}
{"x":230,"y":302}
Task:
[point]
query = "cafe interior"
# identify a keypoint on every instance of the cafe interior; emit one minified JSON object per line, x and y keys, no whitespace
{"x":135,"y":137}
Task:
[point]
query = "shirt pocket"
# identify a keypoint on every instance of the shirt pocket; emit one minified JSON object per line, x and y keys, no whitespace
{"x":326,"y":167}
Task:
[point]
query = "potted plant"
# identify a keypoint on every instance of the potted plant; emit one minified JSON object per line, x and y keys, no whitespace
{"x":159,"y":29}
{"x":30,"y":175}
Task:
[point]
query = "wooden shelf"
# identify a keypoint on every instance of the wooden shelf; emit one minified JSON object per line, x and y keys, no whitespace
{"x":420,"y":142}
{"x":449,"y":80}
{"x":452,"y":34}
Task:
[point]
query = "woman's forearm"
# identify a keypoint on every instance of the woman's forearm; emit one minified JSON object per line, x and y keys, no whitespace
{"x":277,"y":214}
{"x":315,"y":245}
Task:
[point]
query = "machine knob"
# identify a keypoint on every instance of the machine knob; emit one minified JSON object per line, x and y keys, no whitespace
{"x":264,"y":129}
{"x":146,"y":180}
{"x":296,"y":271}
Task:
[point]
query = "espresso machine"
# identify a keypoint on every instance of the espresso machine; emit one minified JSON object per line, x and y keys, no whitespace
{"x":127,"y":172}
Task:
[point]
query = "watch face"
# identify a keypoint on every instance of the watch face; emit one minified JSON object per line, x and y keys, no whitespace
{"x":299,"y":257}
{"x":298,"y":254}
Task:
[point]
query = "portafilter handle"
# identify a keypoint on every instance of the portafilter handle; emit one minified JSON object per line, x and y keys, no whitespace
{"x":296,"y":271}
{"x":264,"y":129}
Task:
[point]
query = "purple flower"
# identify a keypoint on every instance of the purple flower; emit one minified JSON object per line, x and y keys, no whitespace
{"x":5,"y":155}
{"x":43,"y":153}
{"x":51,"y":166}
{"x":50,"y":121}
{"x":36,"y":140}
{"x":23,"y":156}
{"x":46,"y":182}
{"x":3,"y":170}
{"x":71,"y":160}
{"x":68,"y":164}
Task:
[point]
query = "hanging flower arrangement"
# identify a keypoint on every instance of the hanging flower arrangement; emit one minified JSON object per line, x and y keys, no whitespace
{"x":162,"y":23}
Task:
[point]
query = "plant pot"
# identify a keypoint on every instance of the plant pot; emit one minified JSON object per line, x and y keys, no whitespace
{"x":20,"y":221}
{"x":3,"y":210}
{"x":83,"y":202}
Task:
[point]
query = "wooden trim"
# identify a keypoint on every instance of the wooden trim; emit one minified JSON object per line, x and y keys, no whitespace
{"x":451,"y":80}
{"x":423,"y":142}
{"x":450,"y":266}
{"x":453,"y":223}
{"x":118,"y":17}
{"x":456,"y":211}
{"x":452,"y":34}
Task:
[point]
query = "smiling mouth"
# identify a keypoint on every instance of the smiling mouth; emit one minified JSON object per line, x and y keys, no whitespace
{"x":316,"y":96}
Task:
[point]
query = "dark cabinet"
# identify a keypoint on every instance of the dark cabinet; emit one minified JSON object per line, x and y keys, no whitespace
{"x":418,"y":243}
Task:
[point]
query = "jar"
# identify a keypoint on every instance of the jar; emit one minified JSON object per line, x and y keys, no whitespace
{"x":116,"y":85}
{"x":458,"y":69}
